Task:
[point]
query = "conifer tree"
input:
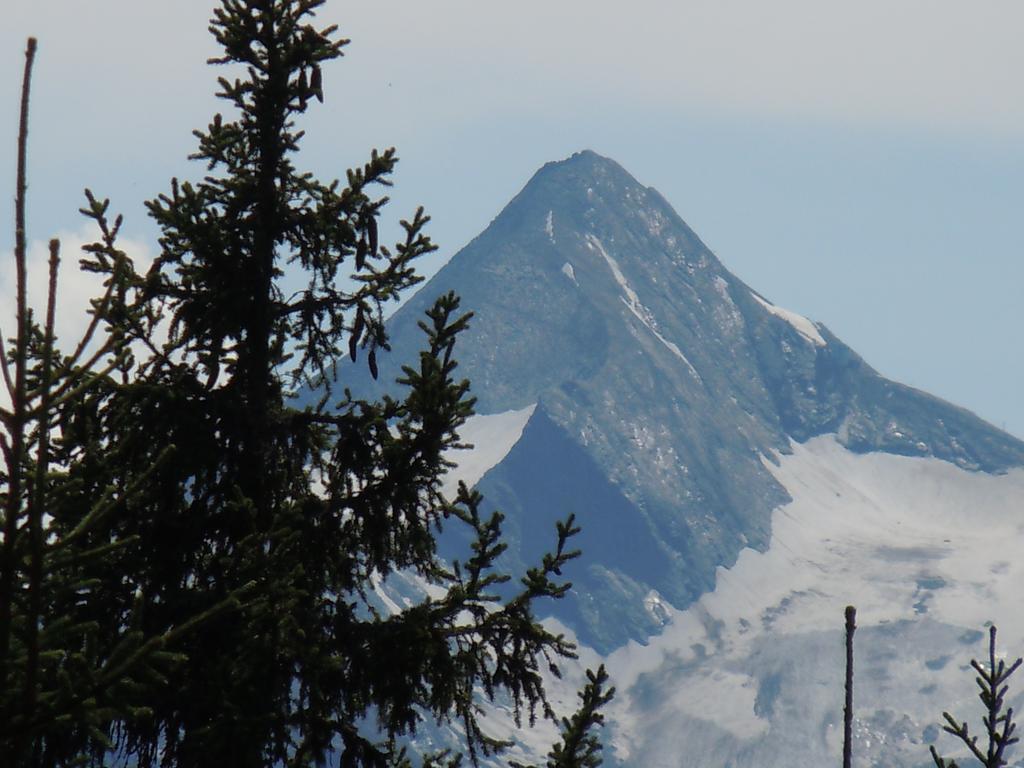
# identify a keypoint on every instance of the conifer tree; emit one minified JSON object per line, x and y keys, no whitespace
{"x":998,"y":722}
{"x":579,"y":746}
{"x":69,"y":667}
{"x":229,"y":493}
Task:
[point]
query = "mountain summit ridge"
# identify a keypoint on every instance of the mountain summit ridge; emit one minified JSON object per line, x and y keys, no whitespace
{"x":663,"y":379}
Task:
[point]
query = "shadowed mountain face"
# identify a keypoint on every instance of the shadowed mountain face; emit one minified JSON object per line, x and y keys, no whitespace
{"x":662,"y":384}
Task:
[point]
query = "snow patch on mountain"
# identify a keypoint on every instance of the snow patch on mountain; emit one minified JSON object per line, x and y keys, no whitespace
{"x":633,"y":303}
{"x":751,"y":674}
{"x":802,"y":325}
{"x":569,"y":272}
{"x":927,"y":551}
{"x":491,"y":436}
{"x":631,"y":295}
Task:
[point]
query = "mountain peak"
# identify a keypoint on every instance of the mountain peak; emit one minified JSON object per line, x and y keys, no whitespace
{"x":631,"y":379}
{"x":647,"y":359}
{"x":584,"y":173}
{"x":585,"y":161}
{"x":572,"y":203}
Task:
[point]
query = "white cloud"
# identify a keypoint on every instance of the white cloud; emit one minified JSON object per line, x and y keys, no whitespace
{"x":74,"y":287}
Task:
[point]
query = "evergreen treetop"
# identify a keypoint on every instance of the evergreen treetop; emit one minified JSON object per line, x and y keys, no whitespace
{"x":253,"y":535}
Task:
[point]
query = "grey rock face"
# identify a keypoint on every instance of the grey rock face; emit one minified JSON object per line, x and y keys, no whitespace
{"x":662,"y":382}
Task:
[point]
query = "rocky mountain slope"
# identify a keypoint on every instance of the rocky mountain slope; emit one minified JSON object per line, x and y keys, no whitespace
{"x":660,"y":380}
{"x":688,"y":422}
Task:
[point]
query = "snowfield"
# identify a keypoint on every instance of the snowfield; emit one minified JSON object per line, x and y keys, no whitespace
{"x":492,"y":437}
{"x":801,"y":324}
{"x":751,"y":674}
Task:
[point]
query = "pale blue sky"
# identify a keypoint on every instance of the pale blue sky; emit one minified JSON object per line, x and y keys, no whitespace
{"x":861,"y":163}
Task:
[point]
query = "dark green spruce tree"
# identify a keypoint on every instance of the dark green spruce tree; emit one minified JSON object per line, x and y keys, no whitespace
{"x":579,"y":746}
{"x":230,"y":494}
{"x":69,"y":665}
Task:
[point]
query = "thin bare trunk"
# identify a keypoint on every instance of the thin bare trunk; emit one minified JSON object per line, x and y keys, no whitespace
{"x":16,"y":425}
{"x":851,"y":626}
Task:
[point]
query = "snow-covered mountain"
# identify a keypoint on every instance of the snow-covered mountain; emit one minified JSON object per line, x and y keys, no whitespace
{"x":741,"y":475}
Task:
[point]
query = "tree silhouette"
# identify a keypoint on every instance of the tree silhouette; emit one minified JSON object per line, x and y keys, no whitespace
{"x":68,"y":666}
{"x":224,"y":609}
{"x":997,"y":721}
